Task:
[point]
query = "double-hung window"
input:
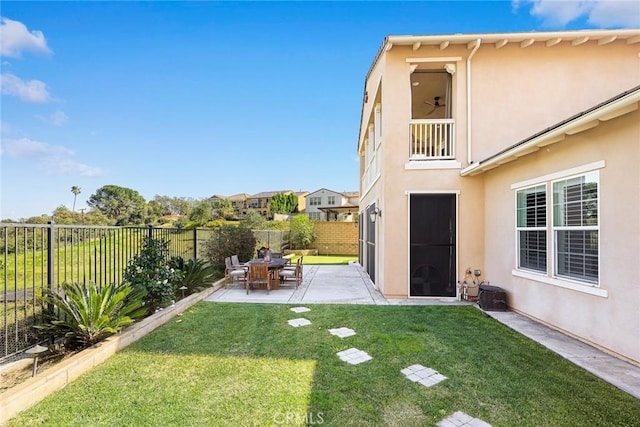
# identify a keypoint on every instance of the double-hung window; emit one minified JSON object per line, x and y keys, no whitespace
{"x":532,"y":228}
{"x":575,"y":227}
{"x":570,"y":226}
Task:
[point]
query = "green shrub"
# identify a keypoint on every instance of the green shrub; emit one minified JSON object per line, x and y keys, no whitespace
{"x":86,"y":316}
{"x":229,"y":240}
{"x":302,"y":235}
{"x":150,"y":270}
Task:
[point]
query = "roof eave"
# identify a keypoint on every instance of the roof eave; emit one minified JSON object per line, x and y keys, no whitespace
{"x":618,"y":106}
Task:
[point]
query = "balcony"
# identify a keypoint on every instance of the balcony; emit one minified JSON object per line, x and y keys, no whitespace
{"x":432,"y":139}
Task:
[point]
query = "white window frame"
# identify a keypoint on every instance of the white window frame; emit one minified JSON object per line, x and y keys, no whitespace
{"x":315,"y":201}
{"x":544,"y":228}
{"x":331,"y":200}
{"x":550,"y":277}
{"x":557,"y":228}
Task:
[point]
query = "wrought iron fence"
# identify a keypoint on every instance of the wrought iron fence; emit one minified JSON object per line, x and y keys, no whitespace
{"x":37,"y":257}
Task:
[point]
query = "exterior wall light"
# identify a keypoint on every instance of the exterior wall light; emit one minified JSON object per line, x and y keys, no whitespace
{"x":375,"y":213}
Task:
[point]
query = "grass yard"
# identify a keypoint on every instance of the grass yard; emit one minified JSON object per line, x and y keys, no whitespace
{"x":326,"y":259}
{"x":242,"y":365}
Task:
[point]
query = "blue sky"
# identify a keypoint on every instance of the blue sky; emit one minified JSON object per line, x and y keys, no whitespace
{"x":191,"y":99}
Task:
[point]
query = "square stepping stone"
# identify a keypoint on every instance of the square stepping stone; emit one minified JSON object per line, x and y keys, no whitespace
{"x":299,"y":322}
{"x":460,"y":419}
{"x":342,"y":332}
{"x":423,"y":375}
{"x":354,"y":356}
{"x":300,"y":309}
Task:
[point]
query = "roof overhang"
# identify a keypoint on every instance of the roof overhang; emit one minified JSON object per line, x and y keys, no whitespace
{"x":617,"y":106}
{"x":499,"y":40}
{"x":340,"y":209}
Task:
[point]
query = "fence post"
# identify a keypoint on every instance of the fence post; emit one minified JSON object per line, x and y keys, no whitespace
{"x":150,"y":233}
{"x":195,"y":243}
{"x":50,"y":271}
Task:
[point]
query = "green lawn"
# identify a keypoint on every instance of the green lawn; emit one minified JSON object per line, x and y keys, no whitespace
{"x":326,"y":259}
{"x":242,"y":365}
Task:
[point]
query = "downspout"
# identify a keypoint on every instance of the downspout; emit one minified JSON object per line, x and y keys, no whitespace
{"x":473,"y":52}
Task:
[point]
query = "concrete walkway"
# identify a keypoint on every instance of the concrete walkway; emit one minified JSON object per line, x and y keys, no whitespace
{"x":342,"y":284}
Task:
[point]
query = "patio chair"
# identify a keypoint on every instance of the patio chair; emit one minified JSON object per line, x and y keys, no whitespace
{"x":258,"y":276}
{"x":233,"y":273}
{"x":294,"y":266}
{"x":292,"y":274}
{"x":237,"y":264}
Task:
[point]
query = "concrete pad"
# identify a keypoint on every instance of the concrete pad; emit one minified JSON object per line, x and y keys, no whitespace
{"x":460,"y":419}
{"x":421,"y":374}
{"x":354,"y":356}
{"x":342,"y":332}
{"x":300,"y":309}
{"x":299,"y":322}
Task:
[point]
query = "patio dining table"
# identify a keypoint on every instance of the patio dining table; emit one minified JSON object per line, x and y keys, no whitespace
{"x":274,"y":267}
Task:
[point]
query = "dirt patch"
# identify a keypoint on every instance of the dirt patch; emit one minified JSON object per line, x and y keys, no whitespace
{"x":20,"y":371}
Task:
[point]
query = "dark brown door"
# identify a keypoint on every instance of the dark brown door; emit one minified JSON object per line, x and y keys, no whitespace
{"x":371,"y":244}
{"x":432,"y":245}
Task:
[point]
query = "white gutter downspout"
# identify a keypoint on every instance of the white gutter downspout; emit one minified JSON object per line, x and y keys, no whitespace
{"x":473,"y":52}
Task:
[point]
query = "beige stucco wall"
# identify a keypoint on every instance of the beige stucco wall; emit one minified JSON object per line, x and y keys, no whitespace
{"x":611,"y":322}
{"x":518,"y":92}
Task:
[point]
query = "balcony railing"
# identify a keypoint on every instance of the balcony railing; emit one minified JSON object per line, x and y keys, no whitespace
{"x":431,"y":139}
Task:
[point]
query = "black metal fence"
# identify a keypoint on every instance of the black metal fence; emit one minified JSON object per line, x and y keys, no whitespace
{"x":37,"y":257}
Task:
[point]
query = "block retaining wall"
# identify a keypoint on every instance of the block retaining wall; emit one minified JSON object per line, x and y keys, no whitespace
{"x":30,"y":392}
{"x":336,"y":238}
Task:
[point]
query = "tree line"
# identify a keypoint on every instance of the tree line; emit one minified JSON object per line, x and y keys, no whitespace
{"x":115,"y":205}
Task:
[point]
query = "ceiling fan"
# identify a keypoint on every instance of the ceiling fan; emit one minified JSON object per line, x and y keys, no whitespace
{"x":435,"y":104}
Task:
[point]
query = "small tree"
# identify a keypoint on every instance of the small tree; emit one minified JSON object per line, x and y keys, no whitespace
{"x":284,"y":203}
{"x":229,"y":240}
{"x":302,"y":234}
{"x":150,"y":271}
{"x":253,"y":220}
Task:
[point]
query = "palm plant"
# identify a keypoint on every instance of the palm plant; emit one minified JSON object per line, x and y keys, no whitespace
{"x":86,"y":316}
{"x":198,"y":274}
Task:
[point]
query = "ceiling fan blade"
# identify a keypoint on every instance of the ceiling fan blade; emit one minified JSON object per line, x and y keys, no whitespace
{"x":429,"y":103}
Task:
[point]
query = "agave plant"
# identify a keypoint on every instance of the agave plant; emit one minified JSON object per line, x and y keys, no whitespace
{"x":87,"y":315}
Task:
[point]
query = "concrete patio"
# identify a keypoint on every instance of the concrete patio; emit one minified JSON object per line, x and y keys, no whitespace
{"x":349,"y":284}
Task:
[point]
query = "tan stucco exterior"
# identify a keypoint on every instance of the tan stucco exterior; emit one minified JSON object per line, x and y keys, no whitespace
{"x":505,"y":89}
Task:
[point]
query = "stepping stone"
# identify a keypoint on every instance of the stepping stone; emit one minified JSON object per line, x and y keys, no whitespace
{"x":342,"y":332}
{"x":299,"y":322}
{"x":300,"y":309}
{"x":423,"y":375}
{"x":460,"y":419}
{"x":354,"y":356}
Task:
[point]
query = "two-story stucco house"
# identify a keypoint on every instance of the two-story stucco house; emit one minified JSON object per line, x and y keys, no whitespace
{"x":329,"y":205}
{"x":514,"y":154}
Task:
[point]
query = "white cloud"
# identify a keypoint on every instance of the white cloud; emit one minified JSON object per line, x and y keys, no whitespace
{"x":5,"y":127}
{"x":16,"y":38}
{"x":58,"y":118}
{"x":616,"y":13}
{"x":30,"y":91}
{"x":54,"y":158}
{"x":601,"y":13}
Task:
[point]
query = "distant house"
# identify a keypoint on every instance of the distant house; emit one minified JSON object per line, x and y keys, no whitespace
{"x":329,"y":205}
{"x":513,"y":154}
{"x":239,"y":203}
